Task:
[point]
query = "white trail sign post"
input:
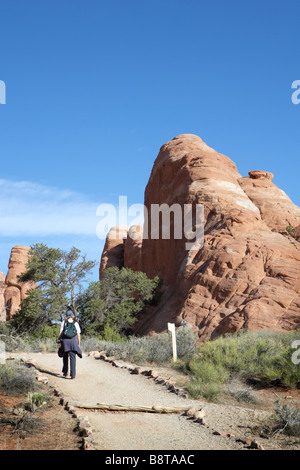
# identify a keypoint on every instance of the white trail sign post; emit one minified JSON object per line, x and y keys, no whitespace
{"x":171,"y":328}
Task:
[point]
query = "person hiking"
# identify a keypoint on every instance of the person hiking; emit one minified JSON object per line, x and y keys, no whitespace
{"x":69,"y":339}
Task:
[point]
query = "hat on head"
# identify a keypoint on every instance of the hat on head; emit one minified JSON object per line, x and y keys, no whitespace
{"x":69,"y":313}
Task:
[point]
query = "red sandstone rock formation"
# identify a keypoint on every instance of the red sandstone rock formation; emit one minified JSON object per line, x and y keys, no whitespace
{"x":275,"y":207}
{"x":13,"y":292}
{"x":247,"y":273}
{"x":113,"y":252}
{"x":2,"y":302}
{"x":132,"y":248}
{"x":122,"y":248}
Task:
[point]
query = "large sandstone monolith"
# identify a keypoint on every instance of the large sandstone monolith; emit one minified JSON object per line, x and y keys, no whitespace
{"x":247,"y":273}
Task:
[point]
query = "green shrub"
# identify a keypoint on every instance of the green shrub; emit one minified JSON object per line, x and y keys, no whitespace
{"x":15,"y":344}
{"x":109,"y":334}
{"x":264,"y":358}
{"x":211,"y":391}
{"x":91,"y":343}
{"x":186,"y":340}
{"x":15,"y":379}
{"x":155,"y":349}
{"x":37,"y":399}
{"x":287,"y":419}
{"x":207,"y":379}
{"x":43,"y":345}
{"x":49,"y":332}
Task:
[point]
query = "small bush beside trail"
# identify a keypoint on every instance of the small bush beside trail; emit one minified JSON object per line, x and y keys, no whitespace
{"x":259,"y":358}
{"x":16,"y":379}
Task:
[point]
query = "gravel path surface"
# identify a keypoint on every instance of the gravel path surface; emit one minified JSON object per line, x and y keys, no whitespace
{"x":100,"y":382}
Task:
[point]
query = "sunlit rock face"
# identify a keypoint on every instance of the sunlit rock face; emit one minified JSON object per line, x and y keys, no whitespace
{"x":245,"y":274}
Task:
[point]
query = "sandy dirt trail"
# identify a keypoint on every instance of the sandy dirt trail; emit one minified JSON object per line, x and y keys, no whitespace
{"x":100,"y":382}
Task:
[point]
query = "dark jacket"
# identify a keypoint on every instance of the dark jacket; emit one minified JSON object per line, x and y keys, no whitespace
{"x":69,"y":344}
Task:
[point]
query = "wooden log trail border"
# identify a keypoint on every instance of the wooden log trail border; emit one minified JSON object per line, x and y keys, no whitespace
{"x":134,"y":409}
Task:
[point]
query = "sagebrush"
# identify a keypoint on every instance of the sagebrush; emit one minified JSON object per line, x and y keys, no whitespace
{"x":148,"y":349}
{"x":259,"y":358}
{"x":16,"y":379}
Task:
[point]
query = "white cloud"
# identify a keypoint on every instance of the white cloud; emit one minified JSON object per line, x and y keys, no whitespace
{"x":31,"y":209}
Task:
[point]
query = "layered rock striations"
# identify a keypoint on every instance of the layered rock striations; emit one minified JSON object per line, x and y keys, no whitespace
{"x":12,"y":292}
{"x":246,"y":274}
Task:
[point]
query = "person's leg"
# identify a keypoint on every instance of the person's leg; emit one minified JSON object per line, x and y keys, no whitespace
{"x":65,"y":364}
{"x":73,"y":364}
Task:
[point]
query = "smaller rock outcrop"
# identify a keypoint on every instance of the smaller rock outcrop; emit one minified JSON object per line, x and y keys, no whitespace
{"x":133,"y":247}
{"x":12,"y":292}
{"x":122,"y":248}
{"x":258,"y":174}
{"x":113,"y":252}
{"x":275,"y":207}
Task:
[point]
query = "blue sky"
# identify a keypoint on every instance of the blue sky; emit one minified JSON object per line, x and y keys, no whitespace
{"x":94,"y":88}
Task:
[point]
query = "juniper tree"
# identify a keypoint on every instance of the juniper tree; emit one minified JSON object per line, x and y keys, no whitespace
{"x":116,"y":300}
{"x":59,"y":276}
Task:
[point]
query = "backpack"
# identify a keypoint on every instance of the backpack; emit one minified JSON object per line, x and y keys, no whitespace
{"x":70,"y":329}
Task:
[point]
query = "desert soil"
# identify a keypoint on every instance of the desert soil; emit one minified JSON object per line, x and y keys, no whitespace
{"x":48,"y":428}
{"x":227,"y":426}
